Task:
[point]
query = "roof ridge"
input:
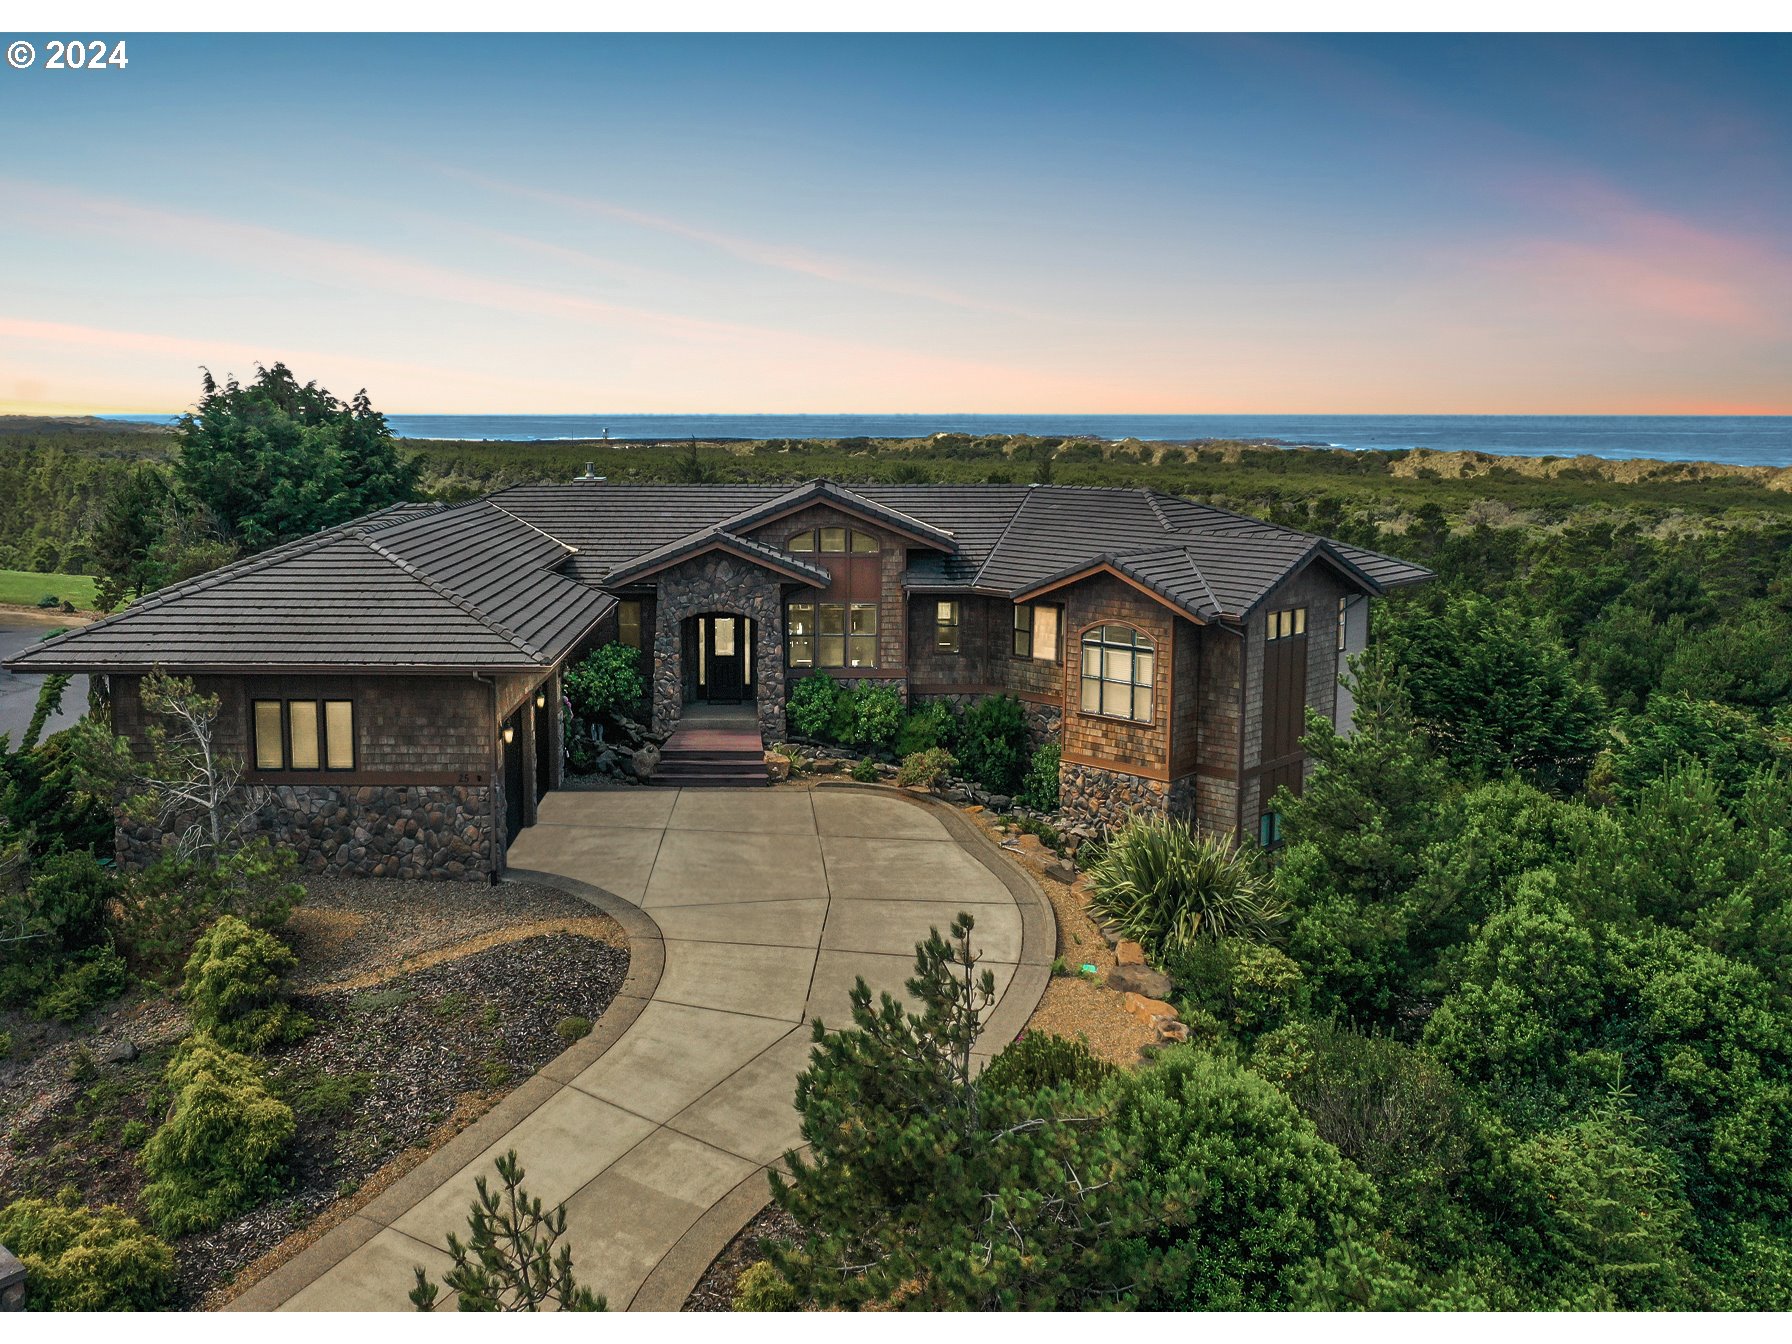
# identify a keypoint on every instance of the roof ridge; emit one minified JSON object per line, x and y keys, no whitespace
{"x":920,"y":523}
{"x":568,"y":546}
{"x":995,"y":546}
{"x":443,"y":590}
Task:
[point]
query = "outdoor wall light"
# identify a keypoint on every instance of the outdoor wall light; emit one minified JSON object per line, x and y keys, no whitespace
{"x":541,"y":699}
{"x":509,"y":734}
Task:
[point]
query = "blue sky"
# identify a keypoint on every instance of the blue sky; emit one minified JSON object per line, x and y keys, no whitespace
{"x":541,"y":223}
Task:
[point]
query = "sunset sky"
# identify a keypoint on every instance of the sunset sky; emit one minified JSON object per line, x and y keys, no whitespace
{"x":787,"y":224}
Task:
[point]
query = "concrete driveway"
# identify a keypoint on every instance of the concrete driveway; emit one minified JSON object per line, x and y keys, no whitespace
{"x":750,"y":913}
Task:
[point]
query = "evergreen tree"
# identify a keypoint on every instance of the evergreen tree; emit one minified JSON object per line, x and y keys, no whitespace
{"x":276,"y":460}
{"x":125,"y":539}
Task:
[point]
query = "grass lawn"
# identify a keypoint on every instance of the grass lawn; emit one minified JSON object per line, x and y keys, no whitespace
{"x":22,"y":588}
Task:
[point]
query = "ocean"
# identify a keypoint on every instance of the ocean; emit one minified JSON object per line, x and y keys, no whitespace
{"x":1742,"y":440}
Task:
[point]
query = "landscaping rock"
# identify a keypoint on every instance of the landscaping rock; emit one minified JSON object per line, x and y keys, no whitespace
{"x":1129,"y":953}
{"x":12,"y":1282}
{"x":1141,"y":980}
{"x":645,"y":761}
{"x":120,"y":1051}
{"x":1148,"y":1009}
{"x":777,"y":768}
{"x":1000,"y":802}
{"x":1171,"y":1032}
{"x":1060,"y":871}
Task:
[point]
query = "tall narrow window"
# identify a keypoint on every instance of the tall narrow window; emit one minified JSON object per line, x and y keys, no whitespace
{"x":1285,"y":624}
{"x":1343,"y":606}
{"x":945,"y":627}
{"x":339,"y":735}
{"x":301,"y":727}
{"x":1045,"y":634}
{"x":1119,"y":667}
{"x":628,"y":624}
{"x":862,"y":624}
{"x":799,"y":629}
{"x":1023,"y":631}
{"x":270,"y":736}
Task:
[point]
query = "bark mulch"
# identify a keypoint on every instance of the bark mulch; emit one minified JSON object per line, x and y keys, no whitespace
{"x":715,"y":1291}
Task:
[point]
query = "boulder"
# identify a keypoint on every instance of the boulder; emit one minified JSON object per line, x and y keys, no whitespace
{"x":776,"y":767}
{"x":644,"y":762}
{"x":1060,"y":871}
{"x":1000,"y":802}
{"x":1129,"y":953}
{"x":1141,"y":980}
{"x":1171,"y":1031}
{"x":120,"y":1051}
{"x":1148,"y":1009}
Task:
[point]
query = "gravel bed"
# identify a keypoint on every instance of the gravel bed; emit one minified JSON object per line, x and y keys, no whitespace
{"x":414,"y":1051}
{"x":715,"y":1290}
{"x":346,"y":928}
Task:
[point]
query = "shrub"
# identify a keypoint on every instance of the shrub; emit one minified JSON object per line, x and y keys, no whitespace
{"x":930,"y":725}
{"x":876,"y":717}
{"x":5,"y":1045}
{"x":993,"y":744}
{"x":1039,"y":1061}
{"x":1039,"y":790}
{"x":813,"y":701}
{"x":81,"y":1259}
{"x":233,"y":988}
{"x":133,"y":1133}
{"x":607,"y":683}
{"x":83,"y":984}
{"x":1165,"y":884}
{"x":1249,"y":987}
{"x":219,"y":1152}
{"x":570,"y":1029}
{"x":316,"y":1095}
{"x":843,"y":722}
{"x":1254,"y":1193}
{"x":762,"y":1288}
{"x":865,"y":771}
{"x":926,"y":769}
{"x":68,"y":894}
{"x":168,"y":903}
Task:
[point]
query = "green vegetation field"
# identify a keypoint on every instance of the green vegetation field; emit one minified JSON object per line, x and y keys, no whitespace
{"x":24,"y":588}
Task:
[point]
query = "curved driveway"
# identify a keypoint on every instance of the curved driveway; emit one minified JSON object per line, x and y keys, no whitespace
{"x":749,"y":912}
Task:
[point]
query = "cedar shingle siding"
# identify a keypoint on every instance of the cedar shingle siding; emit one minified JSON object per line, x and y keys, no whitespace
{"x":442,"y":622}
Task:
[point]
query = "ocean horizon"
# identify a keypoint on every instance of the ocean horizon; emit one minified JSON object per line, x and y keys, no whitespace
{"x":1738,"y":440}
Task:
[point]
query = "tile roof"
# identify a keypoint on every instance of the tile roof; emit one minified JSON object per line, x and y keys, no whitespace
{"x":458,"y":588}
{"x":515,"y":579}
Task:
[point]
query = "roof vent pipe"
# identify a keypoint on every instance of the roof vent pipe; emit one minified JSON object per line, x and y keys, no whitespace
{"x":590,"y":473}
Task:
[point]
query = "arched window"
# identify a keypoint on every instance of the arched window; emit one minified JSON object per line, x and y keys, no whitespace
{"x":1119,"y":668}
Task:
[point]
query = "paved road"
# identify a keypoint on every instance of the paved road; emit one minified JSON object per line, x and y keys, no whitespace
{"x":18,"y":693}
{"x":657,"y":1130}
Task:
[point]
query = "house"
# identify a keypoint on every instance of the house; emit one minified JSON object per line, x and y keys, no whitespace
{"x":395,"y":683}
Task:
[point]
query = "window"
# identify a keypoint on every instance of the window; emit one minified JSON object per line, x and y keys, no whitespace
{"x":304,"y":734}
{"x":831,"y":634}
{"x":799,"y":630}
{"x":833,"y":541}
{"x":1036,"y":632}
{"x":1269,"y":829}
{"x":945,"y":627}
{"x":1119,"y":666}
{"x":270,"y":738}
{"x":1343,"y":605}
{"x":1286,"y":624}
{"x":301,"y":728}
{"x":628,"y":624}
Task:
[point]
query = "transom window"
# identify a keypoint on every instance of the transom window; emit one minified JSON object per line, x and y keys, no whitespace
{"x":831,"y":634}
{"x":1286,"y":624}
{"x":1119,"y":668}
{"x":945,"y":627}
{"x":833,"y":541}
{"x":1036,"y":632}
{"x":304,"y":734}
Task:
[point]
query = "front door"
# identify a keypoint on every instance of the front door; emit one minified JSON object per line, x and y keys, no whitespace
{"x":725,"y":643}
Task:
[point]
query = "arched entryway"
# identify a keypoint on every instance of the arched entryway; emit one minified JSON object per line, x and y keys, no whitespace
{"x":720,"y":659}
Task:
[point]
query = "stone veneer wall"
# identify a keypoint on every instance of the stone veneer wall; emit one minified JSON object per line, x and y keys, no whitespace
{"x":1099,"y":800}
{"x":441,"y":832}
{"x":727,"y":584}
